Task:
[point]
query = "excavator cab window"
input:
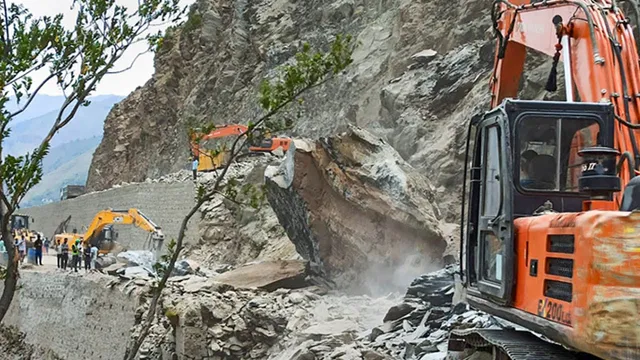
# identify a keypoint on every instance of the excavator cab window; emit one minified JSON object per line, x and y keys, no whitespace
{"x":266,"y":144}
{"x":548,"y":148}
{"x":19,"y":222}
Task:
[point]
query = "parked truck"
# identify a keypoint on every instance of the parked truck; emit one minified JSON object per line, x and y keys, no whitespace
{"x":71,"y":191}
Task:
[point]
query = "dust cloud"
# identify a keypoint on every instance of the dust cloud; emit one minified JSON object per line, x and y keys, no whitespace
{"x":387,"y":278}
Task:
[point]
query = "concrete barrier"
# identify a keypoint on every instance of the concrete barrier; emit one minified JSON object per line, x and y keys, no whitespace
{"x":76,"y":317}
{"x":166,"y":204}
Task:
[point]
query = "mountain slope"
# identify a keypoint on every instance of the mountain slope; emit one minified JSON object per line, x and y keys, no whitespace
{"x":43,"y":104}
{"x":71,"y":150}
{"x":65,"y":164}
{"x":88,"y":123}
{"x":212,"y":68}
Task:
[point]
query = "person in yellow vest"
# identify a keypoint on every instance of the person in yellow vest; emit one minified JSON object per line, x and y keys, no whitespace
{"x":75,"y":255}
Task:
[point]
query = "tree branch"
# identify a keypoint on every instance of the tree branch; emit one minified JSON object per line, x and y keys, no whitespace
{"x":42,"y":84}
{"x":5,"y":200}
{"x":32,"y":96}
{"x":132,"y":351}
{"x":7,"y":41}
{"x":130,"y":66}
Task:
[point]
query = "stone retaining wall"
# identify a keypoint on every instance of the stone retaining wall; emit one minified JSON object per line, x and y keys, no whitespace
{"x":74,"y":316}
{"x":166,"y":204}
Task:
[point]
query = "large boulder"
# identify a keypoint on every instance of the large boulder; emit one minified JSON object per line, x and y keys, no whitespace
{"x":357,"y":211}
{"x":267,"y":275}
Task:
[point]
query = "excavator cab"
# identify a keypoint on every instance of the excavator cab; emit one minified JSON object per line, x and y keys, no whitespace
{"x":525,"y":161}
{"x":19,"y":222}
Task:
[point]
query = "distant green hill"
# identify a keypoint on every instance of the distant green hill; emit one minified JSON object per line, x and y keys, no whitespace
{"x":88,"y":122}
{"x":67,"y":164}
{"x":71,"y":150}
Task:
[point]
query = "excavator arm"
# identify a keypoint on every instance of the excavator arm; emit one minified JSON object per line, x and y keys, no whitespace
{"x":125,"y":217}
{"x":595,"y":42}
{"x":210,"y":160}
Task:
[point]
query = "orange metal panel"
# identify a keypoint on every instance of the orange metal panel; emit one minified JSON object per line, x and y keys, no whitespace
{"x":603,"y":317}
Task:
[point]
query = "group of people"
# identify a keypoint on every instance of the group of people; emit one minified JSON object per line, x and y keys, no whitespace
{"x":20,"y":245}
{"x":79,"y":252}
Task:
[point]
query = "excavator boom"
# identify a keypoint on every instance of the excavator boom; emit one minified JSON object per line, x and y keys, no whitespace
{"x":108,"y":217}
{"x":550,"y":226}
{"x":124,"y":217}
{"x":211,"y":160}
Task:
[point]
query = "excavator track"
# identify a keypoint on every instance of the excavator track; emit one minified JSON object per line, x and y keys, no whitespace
{"x":510,"y":344}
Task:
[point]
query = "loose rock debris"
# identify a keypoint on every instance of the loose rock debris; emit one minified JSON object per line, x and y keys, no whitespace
{"x":208,"y":319}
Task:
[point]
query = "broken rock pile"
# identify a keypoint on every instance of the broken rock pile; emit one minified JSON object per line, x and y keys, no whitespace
{"x":234,"y":234}
{"x":211,"y":320}
{"x":418,"y":328}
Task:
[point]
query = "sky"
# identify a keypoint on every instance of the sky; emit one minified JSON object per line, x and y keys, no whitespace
{"x":117,"y":84}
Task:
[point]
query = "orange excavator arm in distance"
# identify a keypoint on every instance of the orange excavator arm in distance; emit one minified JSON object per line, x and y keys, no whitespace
{"x":602,"y":52}
{"x":218,"y":132}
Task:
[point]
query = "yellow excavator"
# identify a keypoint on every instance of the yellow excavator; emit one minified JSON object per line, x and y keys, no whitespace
{"x":99,"y":231}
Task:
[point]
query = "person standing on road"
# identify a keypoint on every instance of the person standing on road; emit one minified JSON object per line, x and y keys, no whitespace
{"x":75,"y":255}
{"x":194,"y":167}
{"x":47,"y":243}
{"x":38,"y":247}
{"x":80,"y":252}
{"x":64,"y":251}
{"x":94,"y":256}
{"x":59,"y":253}
{"x":87,"y":258}
{"x":22,"y":248}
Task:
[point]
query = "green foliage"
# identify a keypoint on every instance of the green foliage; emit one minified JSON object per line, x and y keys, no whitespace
{"x":77,"y":58}
{"x":161,"y":266}
{"x":172,"y":315}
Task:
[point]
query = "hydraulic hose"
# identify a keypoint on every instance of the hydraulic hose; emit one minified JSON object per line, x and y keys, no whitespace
{"x":502,"y":39}
{"x":636,"y":10}
{"x":625,"y":90}
{"x":626,"y":156}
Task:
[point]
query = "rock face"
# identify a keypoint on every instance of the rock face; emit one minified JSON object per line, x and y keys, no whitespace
{"x":420,"y":73}
{"x":211,"y":67}
{"x":235,"y":234}
{"x":356,"y":210}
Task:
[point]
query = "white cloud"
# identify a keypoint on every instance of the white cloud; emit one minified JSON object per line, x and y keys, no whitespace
{"x":119,"y":84}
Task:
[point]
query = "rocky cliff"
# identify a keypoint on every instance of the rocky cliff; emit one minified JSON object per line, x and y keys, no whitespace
{"x":210,"y":68}
{"x":419,"y":74}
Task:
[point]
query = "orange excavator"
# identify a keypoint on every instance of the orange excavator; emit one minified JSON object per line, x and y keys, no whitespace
{"x":211,"y":159}
{"x":550,"y":231}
